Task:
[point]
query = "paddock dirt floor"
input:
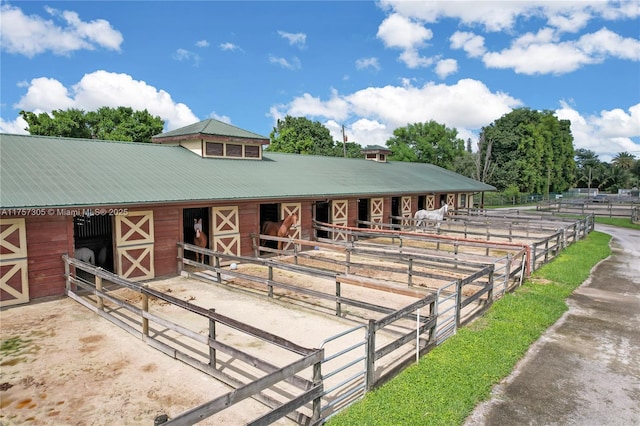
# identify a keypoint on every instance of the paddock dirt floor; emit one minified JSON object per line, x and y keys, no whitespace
{"x":62,"y":364}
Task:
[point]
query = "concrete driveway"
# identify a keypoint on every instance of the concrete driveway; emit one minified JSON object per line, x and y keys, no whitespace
{"x":585,"y":370}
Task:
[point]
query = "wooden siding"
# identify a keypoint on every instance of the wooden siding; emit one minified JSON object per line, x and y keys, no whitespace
{"x":48,"y":238}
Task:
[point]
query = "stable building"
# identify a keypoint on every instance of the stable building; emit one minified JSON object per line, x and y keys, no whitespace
{"x":131,"y":203}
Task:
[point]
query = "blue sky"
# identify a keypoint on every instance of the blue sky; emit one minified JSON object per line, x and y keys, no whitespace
{"x":370,"y":66}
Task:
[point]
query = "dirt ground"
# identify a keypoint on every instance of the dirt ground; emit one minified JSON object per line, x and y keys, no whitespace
{"x":62,"y":364}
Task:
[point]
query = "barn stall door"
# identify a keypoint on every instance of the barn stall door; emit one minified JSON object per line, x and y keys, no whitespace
{"x":406,"y":211}
{"x":431,"y":202}
{"x":451,"y":201}
{"x":225,"y":230}
{"x":134,"y":245}
{"x":376,"y":212}
{"x":287,"y":209}
{"x":14,"y":279}
{"x":340,"y":216}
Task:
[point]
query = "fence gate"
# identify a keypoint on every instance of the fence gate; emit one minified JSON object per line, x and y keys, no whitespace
{"x":344,"y":370}
{"x":225,"y":230}
{"x":339,"y":216}
{"x":14,"y":278}
{"x":287,"y":209}
{"x":446,"y":311}
{"x":377,"y":209}
{"x":134,"y":245}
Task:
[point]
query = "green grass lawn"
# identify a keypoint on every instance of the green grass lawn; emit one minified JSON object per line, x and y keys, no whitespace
{"x":447,"y":383}
{"x":621,"y":222}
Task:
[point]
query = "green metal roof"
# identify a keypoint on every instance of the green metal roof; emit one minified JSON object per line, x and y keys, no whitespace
{"x":211,"y":127}
{"x":39,"y":171}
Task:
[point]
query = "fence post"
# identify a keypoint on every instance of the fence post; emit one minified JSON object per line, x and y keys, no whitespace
{"x":256,"y":246}
{"x":217,"y":264}
{"x":145,"y":308}
{"x":99,"y":289}
{"x":507,"y":272}
{"x":338,"y":304}
{"x":534,"y":257}
{"x":317,"y":402}
{"x":180,"y":257}
{"x":410,"y":272}
{"x":458,"y":303}
{"x":546,"y":250}
{"x":270,"y":279}
{"x":67,"y":273}
{"x":348,"y":261}
{"x":212,"y":336}
{"x":490,"y":293}
{"x":371,"y":355}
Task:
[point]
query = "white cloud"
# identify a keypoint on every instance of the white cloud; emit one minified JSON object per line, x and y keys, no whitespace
{"x":467,"y":106}
{"x":364,"y":63}
{"x":471,"y":43}
{"x":223,"y":118}
{"x":607,"y":43}
{"x":336,"y":108}
{"x":606,"y":134}
{"x":45,"y":95}
{"x":102,"y":88}
{"x":549,"y":51}
{"x":202,"y":43}
{"x":229,"y":46}
{"x":397,"y":31}
{"x":363,"y":132}
{"x":16,"y":126}
{"x":493,"y":16}
{"x":33,"y":35}
{"x":295,"y":39}
{"x":542,"y":53}
{"x":292,"y":64}
{"x":446,"y":67}
{"x":501,"y":16}
{"x":186,"y":55}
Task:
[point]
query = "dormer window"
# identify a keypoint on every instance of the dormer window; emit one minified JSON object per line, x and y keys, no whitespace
{"x":376,"y":153}
{"x":215,"y":139}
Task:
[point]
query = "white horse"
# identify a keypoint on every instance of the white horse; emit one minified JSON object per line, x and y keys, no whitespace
{"x":423,"y":216}
{"x":86,"y":255}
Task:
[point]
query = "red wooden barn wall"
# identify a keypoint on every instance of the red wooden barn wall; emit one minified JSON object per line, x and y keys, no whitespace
{"x":49,"y":237}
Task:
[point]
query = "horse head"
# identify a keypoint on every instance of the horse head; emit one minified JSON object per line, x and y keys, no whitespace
{"x":294,"y":220}
{"x":197,"y":226}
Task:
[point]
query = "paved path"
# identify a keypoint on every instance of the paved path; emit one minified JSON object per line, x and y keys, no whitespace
{"x":585,"y":370}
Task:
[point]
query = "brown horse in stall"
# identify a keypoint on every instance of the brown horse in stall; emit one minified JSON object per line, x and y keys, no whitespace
{"x":200,"y":239}
{"x":280,"y":228}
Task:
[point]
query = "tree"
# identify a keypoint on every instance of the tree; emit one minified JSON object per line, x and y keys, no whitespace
{"x":429,"y":142}
{"x":121,"y":123}
{"x":624,"y":160}
{"x":590,"y":170}
{"x":71,"y":123}
{"x":530,"y":149}
{"x":299,"y":135}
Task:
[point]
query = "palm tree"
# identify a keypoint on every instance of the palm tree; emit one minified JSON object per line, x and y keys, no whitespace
{"x":624,"y":160}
